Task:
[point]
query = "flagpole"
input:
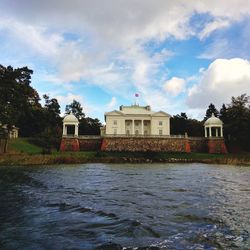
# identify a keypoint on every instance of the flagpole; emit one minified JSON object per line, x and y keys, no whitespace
{"x":136,"y":96}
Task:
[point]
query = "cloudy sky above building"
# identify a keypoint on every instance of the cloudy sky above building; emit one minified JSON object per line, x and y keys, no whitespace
{"x":179,"y":56}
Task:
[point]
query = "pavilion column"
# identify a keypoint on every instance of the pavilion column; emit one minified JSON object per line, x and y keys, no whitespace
{"x":76,"y":130}
{"x":216,"y":131}
{"x":142,"y":127}
{"x":64,"y":130}
{"x":210,"y":132}
{"x":221,"y":131}
{"x":205,"y":131}
{"x":133,"y":127}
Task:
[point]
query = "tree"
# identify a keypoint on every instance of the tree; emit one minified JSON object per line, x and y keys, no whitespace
{"x":52,"y":109}
{"x":76,"y":108}
{"x":90,"y":126}
{"x":16,"y":95}
{"x":181,"y":124}
{"x":238,"y":121}
{"x":211,"y":110}
{"x":223,"y":113}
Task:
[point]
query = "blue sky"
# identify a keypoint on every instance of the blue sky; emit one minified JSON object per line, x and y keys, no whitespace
{"x":179,"y":56}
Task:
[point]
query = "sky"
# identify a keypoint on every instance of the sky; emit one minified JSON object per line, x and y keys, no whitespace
{"x":179,"y":56}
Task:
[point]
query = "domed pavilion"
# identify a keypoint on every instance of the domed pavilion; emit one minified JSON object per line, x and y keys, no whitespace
{"x":213,"y":127}
{"x":70,"y":125}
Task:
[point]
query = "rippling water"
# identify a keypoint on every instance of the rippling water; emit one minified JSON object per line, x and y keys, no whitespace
{"x":162,"y":206}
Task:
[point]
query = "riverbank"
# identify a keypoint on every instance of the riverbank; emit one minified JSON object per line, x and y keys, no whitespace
{"x":23,"y":152}
{"x":120,"y":157}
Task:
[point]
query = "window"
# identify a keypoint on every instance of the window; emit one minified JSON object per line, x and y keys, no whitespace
{"x":115,"y":122}
{"x":127,"y":132}
{"x":145,"y":132}
{"x":136,"y":124}
{"x":160,"y":132}
{"x":115,"y":131}
{"x":160,"y":123}
{"x":137,"y":132}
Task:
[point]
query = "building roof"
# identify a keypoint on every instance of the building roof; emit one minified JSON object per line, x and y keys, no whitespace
{"x":70,"y":118}
{"x":213,"y":121}
{"x":136,"y":110}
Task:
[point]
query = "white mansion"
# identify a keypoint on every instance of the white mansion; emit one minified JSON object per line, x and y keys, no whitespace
{"x":136,"y":120}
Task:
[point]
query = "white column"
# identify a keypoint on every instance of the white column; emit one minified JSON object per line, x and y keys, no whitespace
{"x":76,"y":129}
{"x":133,"y":127}
{"x":221,"y":131}
{"x":205,"y":131}
{"x":216,"y":130}
{"x":210,"y":132}
{"x":64,"y":130}
{"x":142,"y":127}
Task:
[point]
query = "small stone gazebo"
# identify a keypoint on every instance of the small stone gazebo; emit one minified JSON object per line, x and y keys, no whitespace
{"x":70,"y":125}
{"x":213,"y":127}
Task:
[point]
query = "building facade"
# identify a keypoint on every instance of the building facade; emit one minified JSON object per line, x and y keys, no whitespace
{"x":136,"y":120}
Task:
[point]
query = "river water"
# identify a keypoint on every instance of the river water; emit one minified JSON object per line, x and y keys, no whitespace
{"x":162,"y":206}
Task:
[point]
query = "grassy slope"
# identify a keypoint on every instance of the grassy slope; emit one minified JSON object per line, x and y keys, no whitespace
{"x":22,"y":145}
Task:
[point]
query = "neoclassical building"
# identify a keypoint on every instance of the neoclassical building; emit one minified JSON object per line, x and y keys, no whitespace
{"x":136,"y":120}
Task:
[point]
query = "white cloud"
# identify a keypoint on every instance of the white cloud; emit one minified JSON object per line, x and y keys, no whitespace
{"x":123,"y":22}
{"x":32,"y":37}
{"x":218,"y":49}
{"x":112,"y":104}
{"x":111,"y":49}
{"x":223,"y":79}
{"x":213,"y":26}
{"x":175,"y":86}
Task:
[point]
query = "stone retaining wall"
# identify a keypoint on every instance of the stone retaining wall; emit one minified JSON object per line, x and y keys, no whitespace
{"x":69,"y":144}
{"x":140,"y":144}
{"x":134,"y":144}
{"x":216,"y":146}
{"x":198,"y":145}
{"x":90,"y":144}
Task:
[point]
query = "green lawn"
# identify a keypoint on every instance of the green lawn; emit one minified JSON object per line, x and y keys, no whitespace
{"x":22,"y":145}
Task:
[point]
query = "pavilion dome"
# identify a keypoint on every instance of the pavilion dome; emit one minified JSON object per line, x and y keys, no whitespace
{"x":213,"y":121}
{"x":70,"y":118}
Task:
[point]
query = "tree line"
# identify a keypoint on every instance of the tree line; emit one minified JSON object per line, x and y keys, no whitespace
{"x":236,"y":123}
{"x":20,"y":106}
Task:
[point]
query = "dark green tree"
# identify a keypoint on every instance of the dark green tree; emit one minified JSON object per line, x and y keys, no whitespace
{"x":90,"y":126}
{"x":238,"y":121}
{"x":181,"y":124}
{"x":17,"y":97}
{"x":178,"y":124}
{"x":52,"y":109}
{"x":223,"y":113}
{"x":211,"y":110}
{"x":76,"y":108}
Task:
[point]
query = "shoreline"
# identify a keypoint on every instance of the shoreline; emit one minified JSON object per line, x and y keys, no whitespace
{"x":23,"y":159}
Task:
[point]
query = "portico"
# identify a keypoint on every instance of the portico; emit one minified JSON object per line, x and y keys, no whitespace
{"x":137,"y":127}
